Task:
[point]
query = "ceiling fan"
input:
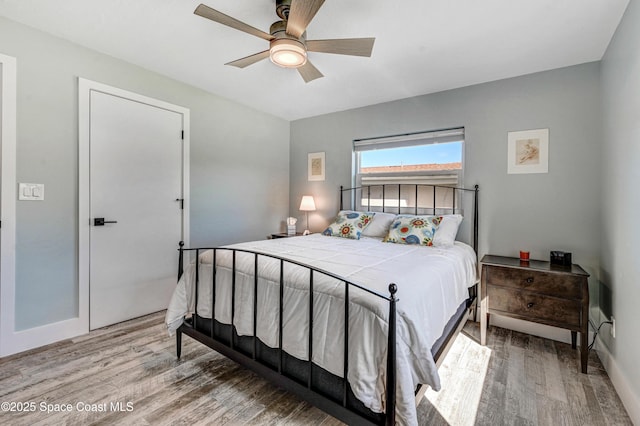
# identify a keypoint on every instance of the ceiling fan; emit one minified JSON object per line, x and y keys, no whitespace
{"x":288,"y":45}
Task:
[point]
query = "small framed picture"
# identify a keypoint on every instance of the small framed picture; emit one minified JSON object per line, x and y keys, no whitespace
{"x":316,"y":166}
{"x":528,"y":151}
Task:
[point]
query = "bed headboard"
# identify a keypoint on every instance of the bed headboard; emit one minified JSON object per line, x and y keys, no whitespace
{"x":418,"y":199}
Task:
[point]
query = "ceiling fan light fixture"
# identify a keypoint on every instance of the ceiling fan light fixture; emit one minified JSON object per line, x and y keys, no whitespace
{"x":288,"y":53}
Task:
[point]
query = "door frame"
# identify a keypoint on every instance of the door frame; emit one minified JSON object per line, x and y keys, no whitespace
{"x":85,"y":87}
{"x":9,"y":339}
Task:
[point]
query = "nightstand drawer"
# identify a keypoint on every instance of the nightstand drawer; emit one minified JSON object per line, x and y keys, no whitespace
{"x":534,"y":307}
{"x":539,"y":282}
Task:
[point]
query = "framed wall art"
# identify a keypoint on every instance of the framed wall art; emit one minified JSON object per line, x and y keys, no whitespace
{"x":528,"y":151}
{"x":316,"y":166}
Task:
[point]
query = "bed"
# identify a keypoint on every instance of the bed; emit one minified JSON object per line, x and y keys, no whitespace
{"x":287,"y":321}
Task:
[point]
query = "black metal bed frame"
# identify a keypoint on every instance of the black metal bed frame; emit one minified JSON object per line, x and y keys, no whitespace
{"x":226,"y":345}
{"x":454,"y":190}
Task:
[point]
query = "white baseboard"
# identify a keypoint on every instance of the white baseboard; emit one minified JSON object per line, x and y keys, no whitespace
{"x":630,"y":400}
{"x":548,"y":332}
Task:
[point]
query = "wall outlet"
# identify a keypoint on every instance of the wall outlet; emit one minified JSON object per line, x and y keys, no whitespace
{"x":613,"y":327}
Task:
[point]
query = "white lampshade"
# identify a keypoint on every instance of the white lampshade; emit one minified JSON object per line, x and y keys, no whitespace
{"x":307,"y":204}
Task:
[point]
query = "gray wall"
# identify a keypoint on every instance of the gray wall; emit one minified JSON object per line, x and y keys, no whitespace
{"x":620,"y":228}
{"x":239,"y":164}
{"x":538,"y":212}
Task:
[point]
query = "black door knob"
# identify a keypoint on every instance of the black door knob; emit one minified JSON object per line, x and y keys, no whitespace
{"x":99,"y":221}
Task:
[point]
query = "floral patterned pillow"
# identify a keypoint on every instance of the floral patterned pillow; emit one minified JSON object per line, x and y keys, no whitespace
{"x":407,"y":229}
{"x":349,"y":224}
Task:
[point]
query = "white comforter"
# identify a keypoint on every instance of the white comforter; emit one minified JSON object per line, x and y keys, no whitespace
{"x":432,"y":282}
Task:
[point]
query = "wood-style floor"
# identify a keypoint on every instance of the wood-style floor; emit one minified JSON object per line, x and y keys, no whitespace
{"x":130,"y":371}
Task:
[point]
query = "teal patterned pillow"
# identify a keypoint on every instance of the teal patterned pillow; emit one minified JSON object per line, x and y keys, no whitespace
{"x":407,"y":229}
{"x":349,"y":224}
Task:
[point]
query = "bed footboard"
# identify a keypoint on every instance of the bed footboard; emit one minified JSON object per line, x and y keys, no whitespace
{"x":227,"y":342}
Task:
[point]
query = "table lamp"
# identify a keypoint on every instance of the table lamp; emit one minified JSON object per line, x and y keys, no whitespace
{"x":307,"y":205}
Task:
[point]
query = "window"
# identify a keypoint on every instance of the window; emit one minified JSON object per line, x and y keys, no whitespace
{"x":430,"y":159}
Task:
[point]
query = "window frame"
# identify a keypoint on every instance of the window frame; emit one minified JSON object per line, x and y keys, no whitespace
{"x":410,"y":139}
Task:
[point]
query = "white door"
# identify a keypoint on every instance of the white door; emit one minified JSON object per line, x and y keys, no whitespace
{"x":135,"y":180}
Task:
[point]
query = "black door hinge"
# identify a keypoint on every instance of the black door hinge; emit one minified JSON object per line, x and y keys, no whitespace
{"x":181,"y":203}
{"x":182,"y":135}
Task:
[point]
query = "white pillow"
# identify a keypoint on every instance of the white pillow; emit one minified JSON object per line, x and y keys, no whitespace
{"x":379,"y":226}
{"x":446,"y":233}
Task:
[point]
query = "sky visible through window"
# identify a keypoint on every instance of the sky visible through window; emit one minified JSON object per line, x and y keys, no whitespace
{"x":438,"y":153}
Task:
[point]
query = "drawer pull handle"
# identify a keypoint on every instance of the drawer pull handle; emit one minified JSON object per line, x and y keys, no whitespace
{"x":529,"y":280}
{"x":530,"y":305}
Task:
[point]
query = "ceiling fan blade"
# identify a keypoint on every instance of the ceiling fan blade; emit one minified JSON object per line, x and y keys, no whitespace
{"x":344,"y":46}
{"x":221,"y":18}
{"x":300,"y":14}
{"x":308,"y":72}
{"x":249,"y":60}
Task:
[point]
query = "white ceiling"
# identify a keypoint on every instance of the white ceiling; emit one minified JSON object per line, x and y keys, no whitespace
{"x":422,"y":46}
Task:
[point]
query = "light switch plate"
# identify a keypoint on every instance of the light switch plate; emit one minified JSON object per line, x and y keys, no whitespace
{"x":31,"y":192}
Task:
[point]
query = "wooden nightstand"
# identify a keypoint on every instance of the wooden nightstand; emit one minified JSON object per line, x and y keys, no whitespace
{"x":536,"y":291}
{"x":284,"y":235}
